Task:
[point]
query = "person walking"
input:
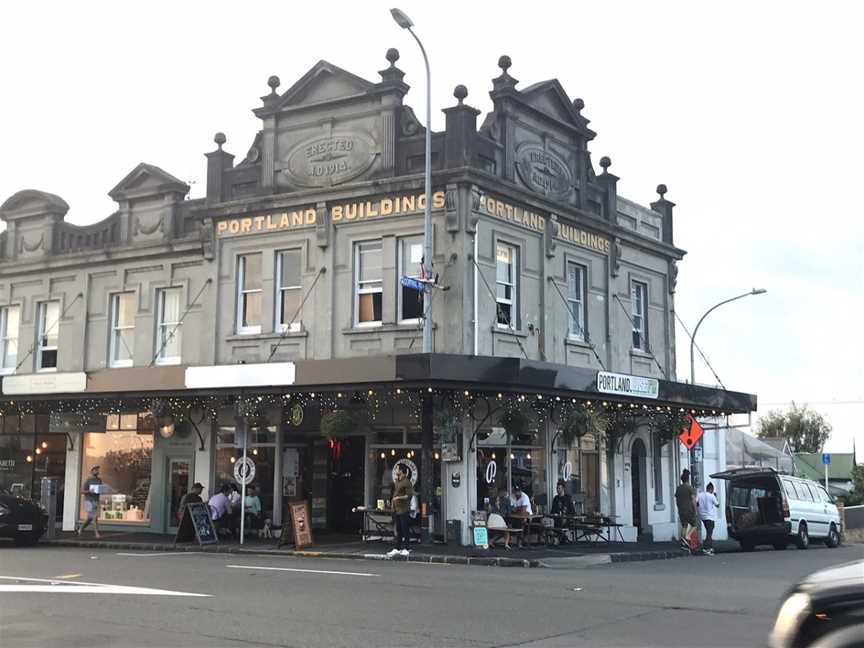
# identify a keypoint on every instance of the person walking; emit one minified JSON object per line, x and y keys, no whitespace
{"x":191,"y":497}
{"x":403,"y":491}
{"x":685,"y":499}
{"x":90,"y":490}
{"x":707,"y":505}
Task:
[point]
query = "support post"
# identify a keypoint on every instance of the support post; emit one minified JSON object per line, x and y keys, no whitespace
{"x":427,"y":470}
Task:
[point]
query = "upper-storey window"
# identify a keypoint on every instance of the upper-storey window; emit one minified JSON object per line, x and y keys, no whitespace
{"x":249,"y":293}
{"x":10,"y":317}
{"x":49,"y":325}
{"x":367,"y":283}
{"x":168,"y":326}
{"x":576,"y":299}
{"x":410,"y":300}
{"x":122,"y":329}
{"x":506,"y":285}
{"x":639,"y":306}
{"x":289,"y":291}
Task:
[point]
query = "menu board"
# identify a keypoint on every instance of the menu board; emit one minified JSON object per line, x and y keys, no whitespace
{"x":300,"y":525}
{"x":196,"y":525}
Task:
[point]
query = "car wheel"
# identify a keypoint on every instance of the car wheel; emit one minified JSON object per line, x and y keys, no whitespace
{"x":747,"y":546}
{"x":833,"y":539}
{"x":802,"y":540}
{"x":26,"y":539}
{"x":846,"y":638}
{"x":780,"y":546}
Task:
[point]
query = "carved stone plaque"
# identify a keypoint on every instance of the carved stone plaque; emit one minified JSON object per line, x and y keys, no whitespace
{"x":543,"y":171}
{"x":330,"y":160}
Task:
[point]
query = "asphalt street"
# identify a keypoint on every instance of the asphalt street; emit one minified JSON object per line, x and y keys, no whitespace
{"x":88,"y":598}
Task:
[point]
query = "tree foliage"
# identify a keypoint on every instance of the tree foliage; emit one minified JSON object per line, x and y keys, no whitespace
{"x":804,"y":429}
{"x":856,"y":497}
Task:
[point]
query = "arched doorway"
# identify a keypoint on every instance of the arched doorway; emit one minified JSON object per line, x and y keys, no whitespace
{"x":638,"y":486}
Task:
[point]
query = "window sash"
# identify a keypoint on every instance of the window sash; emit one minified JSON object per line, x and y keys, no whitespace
{"x":368,"y":310}
{"x":169,"y":307}
{"x":288,"y":292}
{"x":576,"y":300}
{"x":250,"y":293}
{"x":638,"y":295}
{"x":506,"y":287}
{"x":49,"y":321}
{"x":410,"y":300}
{"x":122,"y":354}
{"x":10,"y":319}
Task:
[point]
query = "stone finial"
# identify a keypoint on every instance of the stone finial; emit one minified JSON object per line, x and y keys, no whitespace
{"x":578,"y":105}
{"x":460,"y":92}
{"x":273,"y":82}
{"x":661,"y":189}
{"x":220,"y":139}
{"x":392,"y":56}
{"x":504,"y":63}
{"x":605,"y":163}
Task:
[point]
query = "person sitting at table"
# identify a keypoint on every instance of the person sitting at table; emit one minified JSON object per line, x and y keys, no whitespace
{"x":220,"y":510}
{"x":252,"y":508}
{"x":521,"y":509}
{"x":502,"y":505}
{"x":562,"y":504}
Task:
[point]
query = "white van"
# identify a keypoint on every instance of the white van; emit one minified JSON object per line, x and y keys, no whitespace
{"x":767,"y":507}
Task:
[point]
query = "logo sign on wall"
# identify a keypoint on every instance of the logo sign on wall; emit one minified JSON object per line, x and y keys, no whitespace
{"x":543,"y":171}
{"x":297,"y":414}
{"x":626,"y":385}
{"x":412,"y":469}
{"x":244,"y":470}
{"x":491,"y":471}
{"x":330,"y":160}
{"x":568,"y":470}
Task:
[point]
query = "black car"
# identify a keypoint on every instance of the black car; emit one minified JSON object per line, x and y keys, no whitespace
{"x":825,"y":610}
{"x":21,"y":519}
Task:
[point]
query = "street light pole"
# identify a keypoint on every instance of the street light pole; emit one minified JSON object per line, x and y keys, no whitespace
{"x":755,"y":291}
{"x":405,"y":23}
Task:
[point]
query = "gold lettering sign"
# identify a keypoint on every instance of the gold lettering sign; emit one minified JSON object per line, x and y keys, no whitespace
{"x":536,"y":222}
{"x":287,"y":220}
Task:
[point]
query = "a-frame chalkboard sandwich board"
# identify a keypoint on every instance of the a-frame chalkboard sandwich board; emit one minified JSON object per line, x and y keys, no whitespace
{"x":298,"y":525}
{"x":196,"y":525}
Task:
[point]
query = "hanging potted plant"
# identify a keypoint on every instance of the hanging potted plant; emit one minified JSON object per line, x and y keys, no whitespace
{"x":581,"y":421}
{"x":338,"y":424}
{"x":670,"y":425}
{"x":515,"y":422}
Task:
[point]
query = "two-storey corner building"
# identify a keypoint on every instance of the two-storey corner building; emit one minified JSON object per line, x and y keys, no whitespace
{"x":275,"y":309}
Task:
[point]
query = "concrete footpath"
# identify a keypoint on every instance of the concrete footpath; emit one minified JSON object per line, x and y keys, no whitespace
{"x":572,"y":556}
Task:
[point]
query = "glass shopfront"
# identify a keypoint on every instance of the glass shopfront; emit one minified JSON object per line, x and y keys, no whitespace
{"x":261,"y":449}
{"x":579,"y":467}
{"x":503,"y":463}
{"x":124,"y":454}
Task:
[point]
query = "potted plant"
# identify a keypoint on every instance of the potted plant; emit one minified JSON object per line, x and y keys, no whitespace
{"x":581,"y":421}
{"x":515,"y":422}
{"x":338,"y":424}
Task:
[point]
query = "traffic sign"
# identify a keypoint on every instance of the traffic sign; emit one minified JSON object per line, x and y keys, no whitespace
{"x":691,"y":434}
{"x":826,"y":458}
{"x":244,"y":470}
{"x":414,"y":284}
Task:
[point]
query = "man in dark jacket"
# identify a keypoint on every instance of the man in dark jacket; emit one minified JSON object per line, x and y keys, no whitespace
{"x":562,"y":504}
{"x":403,"y":491}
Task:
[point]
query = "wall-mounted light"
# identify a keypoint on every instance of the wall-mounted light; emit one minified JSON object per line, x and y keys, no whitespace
{"x":44,"y":444}
{"x":233,"y":460}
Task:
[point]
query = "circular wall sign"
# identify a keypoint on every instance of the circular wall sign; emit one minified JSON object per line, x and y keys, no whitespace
{"x":568,"y":470}
{"x":491,"y":471}
{"x":412,"y":469}
{"x":244,"y":470}
{"x":297,"y":414}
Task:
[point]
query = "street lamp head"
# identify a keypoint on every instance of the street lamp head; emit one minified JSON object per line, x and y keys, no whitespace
{"x":401,"y":18}
{"x":758,"y":291}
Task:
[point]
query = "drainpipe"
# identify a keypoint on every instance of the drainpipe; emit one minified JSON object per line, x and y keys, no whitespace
{"x":476,"y":309}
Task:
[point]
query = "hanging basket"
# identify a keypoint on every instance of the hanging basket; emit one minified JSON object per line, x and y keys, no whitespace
{"x":515,"y":422}
{"x":581,"y":421}
{"x":338,"y":424}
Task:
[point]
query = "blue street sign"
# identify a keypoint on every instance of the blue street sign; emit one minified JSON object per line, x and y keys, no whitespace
{"x":826,"y":458}
{"x":414,"y":284}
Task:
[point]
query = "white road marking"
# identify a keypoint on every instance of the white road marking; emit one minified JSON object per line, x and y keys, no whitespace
{"x":302,"y":571}
{"x":161,"y":553}
{"x":54,"y":586}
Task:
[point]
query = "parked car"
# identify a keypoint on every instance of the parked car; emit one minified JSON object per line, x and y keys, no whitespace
{"x":21,"y":519}
{"x":825,"y":610}
{"x":767,"y":507}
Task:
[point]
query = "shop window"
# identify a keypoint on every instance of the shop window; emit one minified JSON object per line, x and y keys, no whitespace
{"x":49,"y":324}
{"x":249,"y":293}
{"x":168,"y":326}
{"x":289,"y":290}
{"x":506,"y":286}
{"x":576,"y":300}
{"x":639,"y":314}
{"x":260,"y":448}
{"x":517,"y":460}
{"x":122,"y":329}
{"x":410,"y":300}
{"x":368,"y":287}
{"x":125,"y":461}
{"x":10,"y":318}
{"x":16,"y":463}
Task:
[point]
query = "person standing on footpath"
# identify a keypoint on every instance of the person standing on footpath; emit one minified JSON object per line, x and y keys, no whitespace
{"x":685,"y":499}
{"x":707,"y":504}
{"x":403,"y":491}
{"x":91,"y":493}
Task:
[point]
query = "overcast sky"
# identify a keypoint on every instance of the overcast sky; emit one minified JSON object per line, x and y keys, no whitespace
{"x":751,"y":113}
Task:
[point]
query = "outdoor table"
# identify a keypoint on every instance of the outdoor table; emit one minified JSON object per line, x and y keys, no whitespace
{"x":528,"y":523}
{"x":377,"y":525}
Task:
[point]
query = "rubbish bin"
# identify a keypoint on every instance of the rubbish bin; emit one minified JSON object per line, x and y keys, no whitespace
{"x":49,"y":501}
{"x":454,"y":532}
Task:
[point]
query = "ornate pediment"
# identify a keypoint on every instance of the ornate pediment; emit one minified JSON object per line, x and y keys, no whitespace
{"x":147,"y":180}
{"x":31,"y":202}
{"x":324,"y":82}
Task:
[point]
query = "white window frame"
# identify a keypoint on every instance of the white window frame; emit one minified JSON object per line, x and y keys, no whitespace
{"x":513,"y":302}
{"x":404,"y":242}
{"x":6,"y":337}
{"x":43,"y":330}
{"x":242,"y":293}
{"x":367,"y":290}
{"x":281,"y":326}
{"x":639,"y":313}
{"x":116,"y":329}
{"x":162,"y":324}
{"x":576,"y":304}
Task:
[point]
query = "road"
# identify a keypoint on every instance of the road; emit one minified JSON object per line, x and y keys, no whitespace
{"x":106,"y":598}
